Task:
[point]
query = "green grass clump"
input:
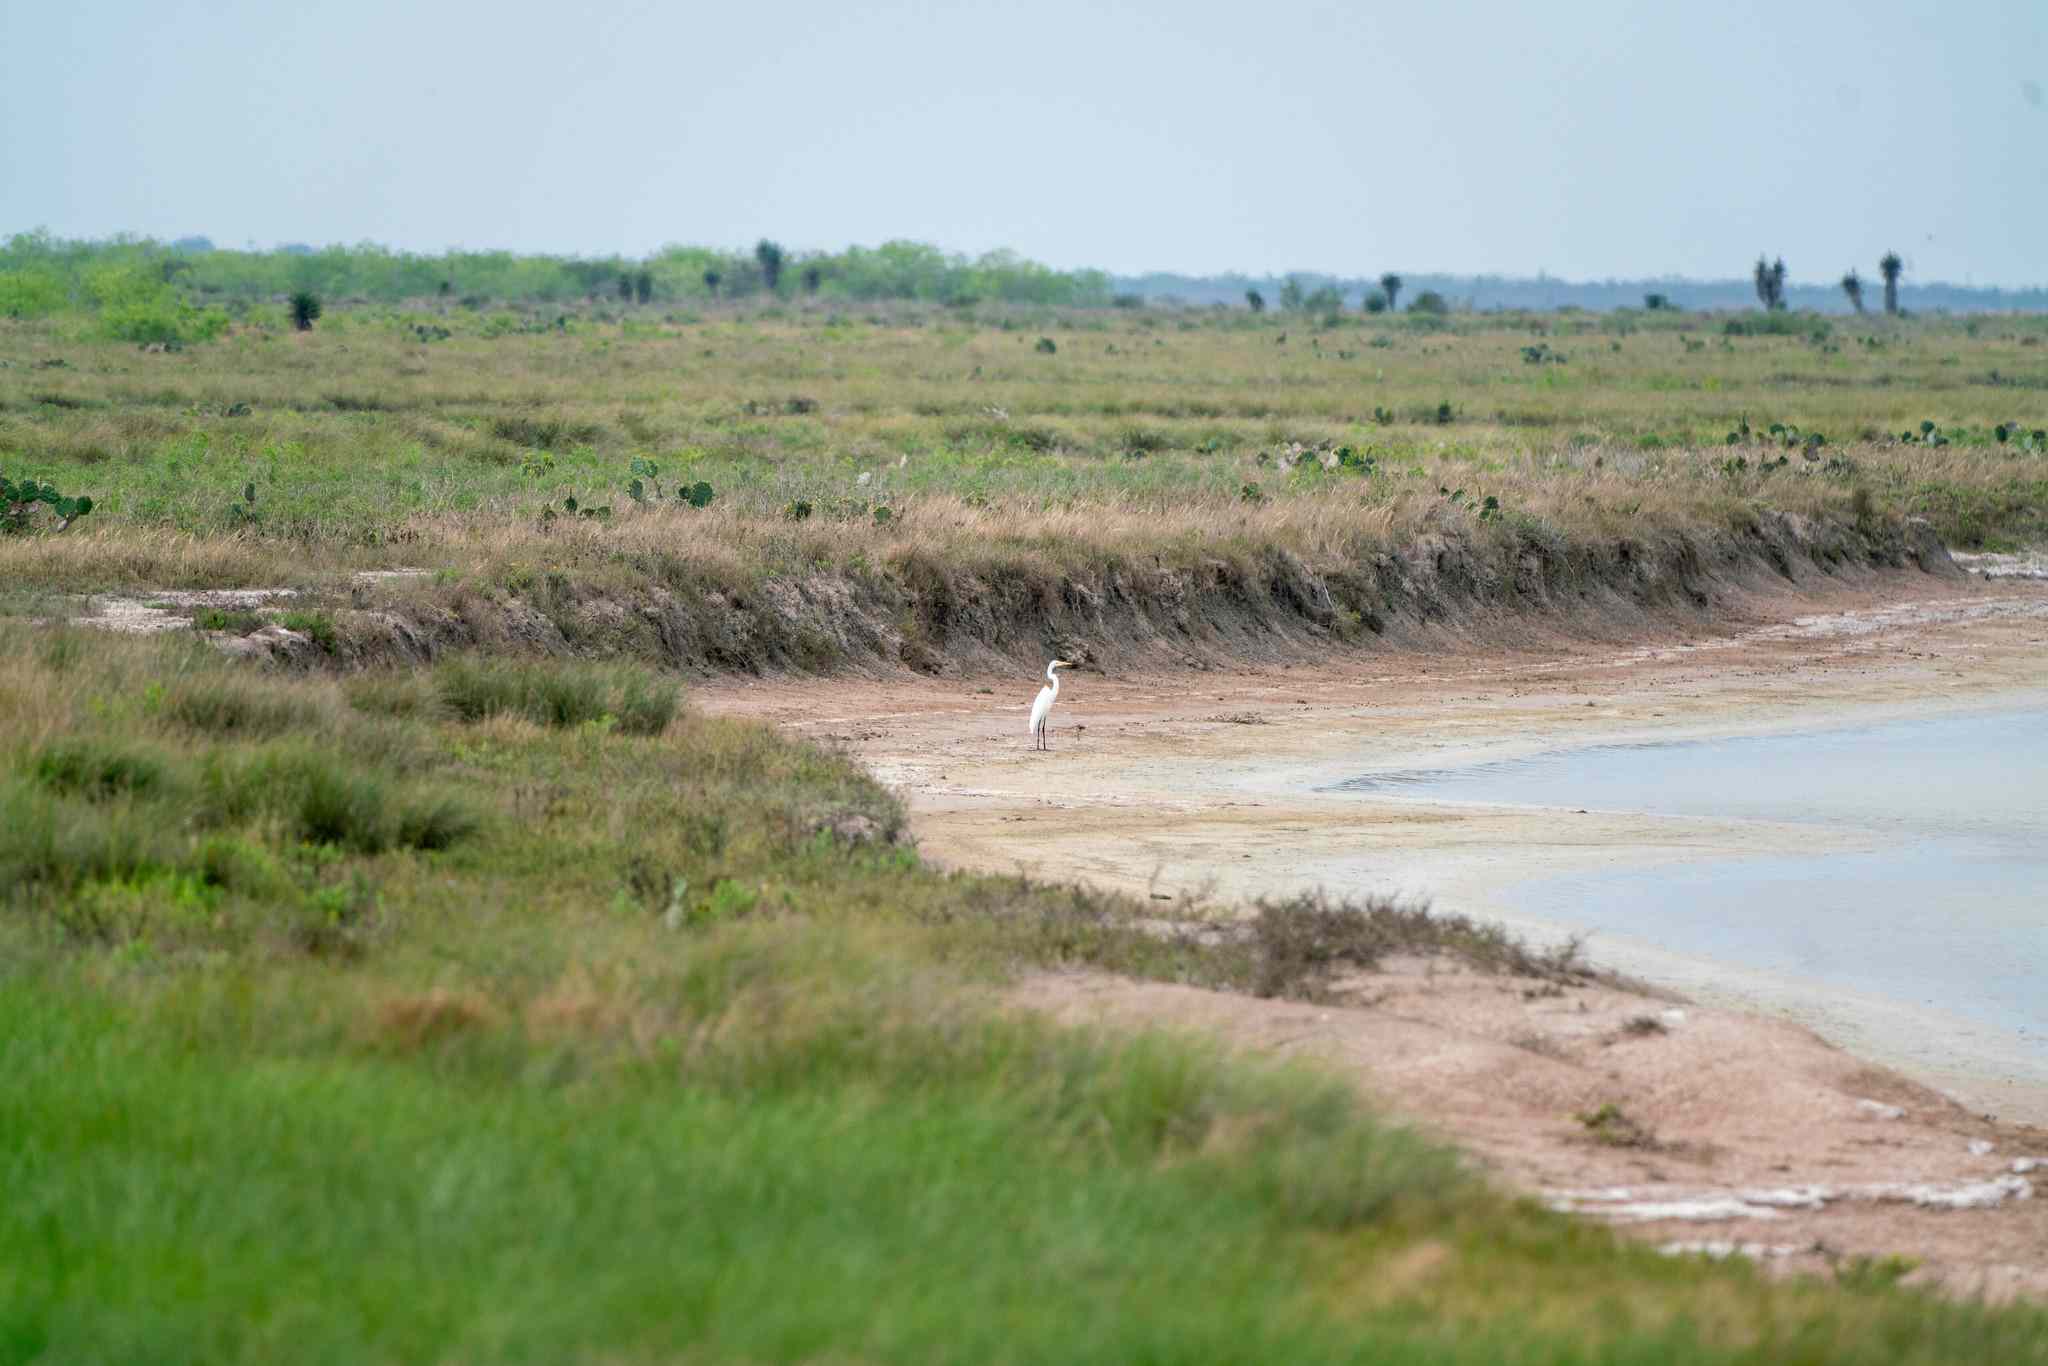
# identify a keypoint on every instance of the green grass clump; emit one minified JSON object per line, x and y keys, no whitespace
{"x":324,"y":796}
{"x":237,"y":622}
{"x":86,"y":767}
{"x":50,"y":843}
{"x":230,"y":707}
{"x":183,"y":802}
{"x":317,"y":626}
{"x":635,"y":700}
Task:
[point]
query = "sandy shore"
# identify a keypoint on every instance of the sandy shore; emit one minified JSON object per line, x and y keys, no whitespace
{"x":1802,"y":1123}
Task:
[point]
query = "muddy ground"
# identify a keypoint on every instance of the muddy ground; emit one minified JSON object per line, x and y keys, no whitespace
{"x":1731,"y":1130}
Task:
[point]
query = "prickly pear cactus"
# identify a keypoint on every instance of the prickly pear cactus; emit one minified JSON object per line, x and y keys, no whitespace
{"x":19,"y":501}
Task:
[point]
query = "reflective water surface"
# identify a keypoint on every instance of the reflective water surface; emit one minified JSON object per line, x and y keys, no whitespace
{"x":1942,"y":901}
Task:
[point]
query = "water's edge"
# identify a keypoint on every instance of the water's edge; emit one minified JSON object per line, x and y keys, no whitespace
{"x":1885,"y":884}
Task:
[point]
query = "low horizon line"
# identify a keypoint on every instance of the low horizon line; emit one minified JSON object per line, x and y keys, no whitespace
{"x":1234,"y":273}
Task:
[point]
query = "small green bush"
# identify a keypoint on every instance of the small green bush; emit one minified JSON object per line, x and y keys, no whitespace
{"x":136,"y":305}
{"x":31,"y":294}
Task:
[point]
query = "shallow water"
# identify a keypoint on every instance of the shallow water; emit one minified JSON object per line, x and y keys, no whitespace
{"x":1941,"y":900}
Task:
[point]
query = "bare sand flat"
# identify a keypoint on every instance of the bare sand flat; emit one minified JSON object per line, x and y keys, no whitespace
{"x":1749,"y":1125}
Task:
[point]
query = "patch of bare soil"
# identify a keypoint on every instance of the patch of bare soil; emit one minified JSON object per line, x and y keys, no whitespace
{"x":1698,"y":1127}
{"x":171,"y":609}
{"x":2031,"y":564}
{"x":175,"y":609}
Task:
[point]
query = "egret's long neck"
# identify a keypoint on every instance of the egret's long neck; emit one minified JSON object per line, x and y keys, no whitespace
{"x":1052,"y":676}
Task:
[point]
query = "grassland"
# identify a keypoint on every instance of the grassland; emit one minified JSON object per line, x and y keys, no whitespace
{"x":359,"y":434}
{"x":501,"y":1006}
{"x":412,"y":1017}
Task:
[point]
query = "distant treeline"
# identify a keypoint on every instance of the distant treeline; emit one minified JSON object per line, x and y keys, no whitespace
{"x":1511,"y":292}
{"x":142,"y":278}
{"x":40,"y":274}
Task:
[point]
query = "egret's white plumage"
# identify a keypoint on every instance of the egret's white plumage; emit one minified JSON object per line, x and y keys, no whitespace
{"x":1047,"y":695}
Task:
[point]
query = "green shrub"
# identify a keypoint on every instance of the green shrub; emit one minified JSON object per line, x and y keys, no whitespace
{"x":30,"y":294}
{"x":730,"y":900}
{"x":1324,"y":300}
{"x":136,"y":305}
{"x":305,"y":309}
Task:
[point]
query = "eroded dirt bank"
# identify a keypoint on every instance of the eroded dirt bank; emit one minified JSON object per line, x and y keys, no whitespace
{"x":1731,"y":1130}
{"x":957,"y":603}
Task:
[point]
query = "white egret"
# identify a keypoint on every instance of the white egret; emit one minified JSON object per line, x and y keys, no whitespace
{"x":1047,"y":695}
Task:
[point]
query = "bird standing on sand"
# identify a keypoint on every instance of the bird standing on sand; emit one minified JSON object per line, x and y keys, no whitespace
{"x":1047,"y":695}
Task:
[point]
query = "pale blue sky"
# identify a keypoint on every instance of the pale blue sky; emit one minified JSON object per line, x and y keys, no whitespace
{"x":1589,"y":139}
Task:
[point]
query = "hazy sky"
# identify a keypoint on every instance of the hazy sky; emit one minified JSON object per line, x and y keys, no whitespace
{"x":1610,"y":138}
